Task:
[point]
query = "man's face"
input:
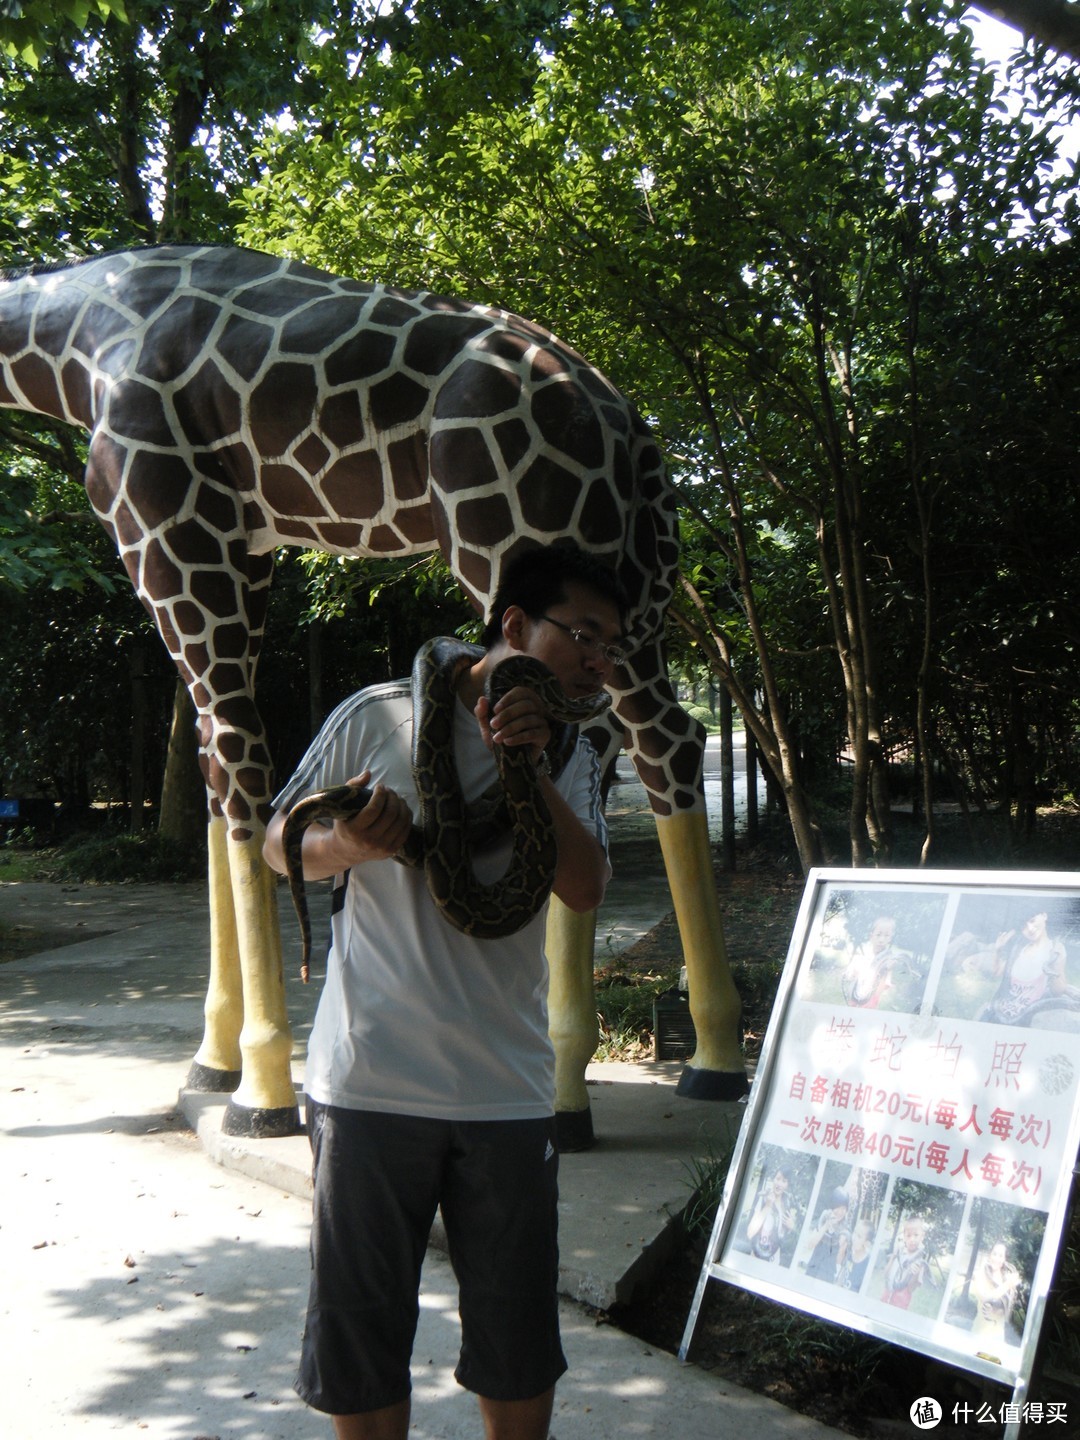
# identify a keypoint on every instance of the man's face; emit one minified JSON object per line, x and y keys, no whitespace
{"x":580,"y":669}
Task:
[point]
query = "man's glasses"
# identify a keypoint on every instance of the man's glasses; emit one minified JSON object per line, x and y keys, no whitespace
{"x":589,"y":643}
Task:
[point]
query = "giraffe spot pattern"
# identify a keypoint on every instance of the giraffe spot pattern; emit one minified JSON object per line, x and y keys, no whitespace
{"x":238,"y":401}
{"x":206,"y":391}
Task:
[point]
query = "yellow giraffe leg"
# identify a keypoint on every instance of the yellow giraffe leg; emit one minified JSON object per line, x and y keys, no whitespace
{"x":716,"y":1070}
{"x":265,"y":1103}
{"x":217,"y":1062}
{"x":572,"y":1021}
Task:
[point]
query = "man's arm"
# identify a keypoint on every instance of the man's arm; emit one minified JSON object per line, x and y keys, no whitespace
{"x":376,"y":833}
{"x":582,"y":870}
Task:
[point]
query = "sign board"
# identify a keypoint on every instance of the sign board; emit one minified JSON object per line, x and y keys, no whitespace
{"x":905,"y":1164}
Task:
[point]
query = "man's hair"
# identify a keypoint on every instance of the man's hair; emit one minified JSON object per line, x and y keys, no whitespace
{"x":537,"y":579}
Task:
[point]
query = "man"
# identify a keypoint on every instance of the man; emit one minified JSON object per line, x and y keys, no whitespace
{"x":430,"y":1072}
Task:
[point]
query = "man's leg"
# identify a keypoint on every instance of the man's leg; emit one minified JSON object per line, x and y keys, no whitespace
{"x":376,"y":1185}
{"x":513,"y":1419}
{"x":500,"y":1208}
{"x":389,"y":1424}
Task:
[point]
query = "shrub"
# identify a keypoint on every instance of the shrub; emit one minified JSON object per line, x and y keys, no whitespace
{"x":114,"y":858}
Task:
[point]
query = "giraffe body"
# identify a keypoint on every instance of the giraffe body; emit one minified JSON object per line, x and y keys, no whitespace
{"x":237,"y":402}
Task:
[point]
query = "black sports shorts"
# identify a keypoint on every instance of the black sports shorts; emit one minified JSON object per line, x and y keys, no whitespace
{"x":379,"y":1179}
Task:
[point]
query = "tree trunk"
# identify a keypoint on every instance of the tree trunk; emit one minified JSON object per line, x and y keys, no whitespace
{"x":727,"y":783}
{"x":316,"y":712}
{"x":137,"y":776}
{"x":183,"y":791}
{"x":751,"y":763}
{"x":766,"y":723}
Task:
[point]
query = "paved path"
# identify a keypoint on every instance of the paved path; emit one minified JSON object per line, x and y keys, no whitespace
{"x":150,"y":1290}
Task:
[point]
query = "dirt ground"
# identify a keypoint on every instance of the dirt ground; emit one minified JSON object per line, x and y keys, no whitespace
{"x":45,"y":917}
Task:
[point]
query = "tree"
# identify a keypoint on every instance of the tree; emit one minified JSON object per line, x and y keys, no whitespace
{"x":748,"y":234}
{"x":811,"y":245}
{"x":74,"y":665}
{"x":1051,"y":22}
{"x":24,"y":24}
{"x":121,"y":124}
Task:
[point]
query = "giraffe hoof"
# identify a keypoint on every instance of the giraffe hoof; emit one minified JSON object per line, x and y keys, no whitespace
{"x":274,"y":1124}
{"x":207,"y":1081}
{"x":712,"y":1084}
{"x":573,"y":1130}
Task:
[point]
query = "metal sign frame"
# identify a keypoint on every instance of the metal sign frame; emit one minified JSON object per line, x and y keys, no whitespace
{"x":905,"y":1163}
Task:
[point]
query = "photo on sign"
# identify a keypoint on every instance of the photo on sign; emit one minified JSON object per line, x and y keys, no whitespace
{"x":993,"y":1272}
{"x":914,"y":1267}
{"x":872,"y":953}
{"x":843,"y":1225}
{"x":1013,"y":960}
{"x":781,"y":1183}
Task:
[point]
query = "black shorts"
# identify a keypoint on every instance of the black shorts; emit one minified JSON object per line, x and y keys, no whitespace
{"x":378,"y":1181}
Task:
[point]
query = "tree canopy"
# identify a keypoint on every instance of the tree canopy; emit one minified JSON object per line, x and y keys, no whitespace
{"x":830,"y":260}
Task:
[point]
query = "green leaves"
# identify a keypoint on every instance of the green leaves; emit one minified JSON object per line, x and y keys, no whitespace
{"x":26,"y":24}
{"x":821,"y":249}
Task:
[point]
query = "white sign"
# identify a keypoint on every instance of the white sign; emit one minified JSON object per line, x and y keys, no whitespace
{"x":905,"y":1163}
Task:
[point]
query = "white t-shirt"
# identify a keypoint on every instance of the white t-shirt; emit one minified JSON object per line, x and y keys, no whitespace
{"x":416,"y":1018}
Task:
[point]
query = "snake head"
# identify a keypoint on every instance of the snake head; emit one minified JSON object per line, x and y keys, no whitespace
{"x":535,"y":675}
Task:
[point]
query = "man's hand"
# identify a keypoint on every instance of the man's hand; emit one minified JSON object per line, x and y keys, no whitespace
{"x":519,"y":718}
{"x":376,"y":833}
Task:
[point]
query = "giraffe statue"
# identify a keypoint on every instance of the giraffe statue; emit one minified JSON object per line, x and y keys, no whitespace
{"x":237,"y":402}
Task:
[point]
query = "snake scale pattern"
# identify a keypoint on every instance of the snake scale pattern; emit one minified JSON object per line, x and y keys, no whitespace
{"x":449,"y":831}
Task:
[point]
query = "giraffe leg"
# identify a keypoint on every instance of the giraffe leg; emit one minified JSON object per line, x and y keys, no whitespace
{"x":265,"y":1103}
{"x":716,"y":1070}
{"x":668,"y":749}
{"x":572,"y":1021}
{"x":247,"y":1042}
{"x":217,"y":1062}
{"x":211,"y":619}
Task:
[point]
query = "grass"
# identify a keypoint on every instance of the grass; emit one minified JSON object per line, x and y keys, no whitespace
{"x":624,"y":1007}
{"x":705,"y":1176}
{"x":17,"y":866}
{"x":109,"y":856}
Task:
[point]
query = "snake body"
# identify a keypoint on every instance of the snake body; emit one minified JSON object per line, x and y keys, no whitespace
{"x":449,"y":831}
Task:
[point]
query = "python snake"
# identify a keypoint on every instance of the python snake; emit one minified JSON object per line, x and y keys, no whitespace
{"x":449,"y":831}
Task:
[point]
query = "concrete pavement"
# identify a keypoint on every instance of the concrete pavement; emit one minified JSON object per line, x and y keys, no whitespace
{"x":148,"y":1289}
